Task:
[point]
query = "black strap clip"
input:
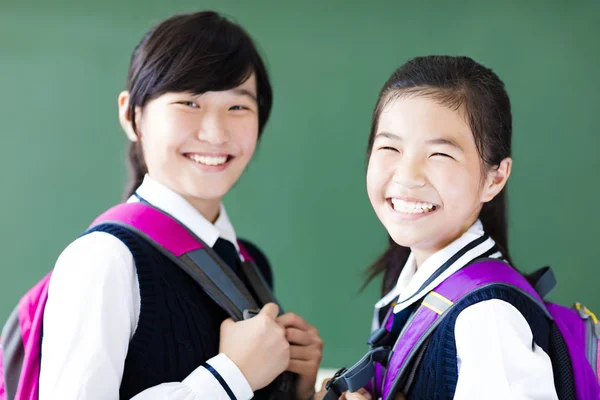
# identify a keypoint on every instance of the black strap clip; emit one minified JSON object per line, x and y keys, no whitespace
{"x":357,"y":376}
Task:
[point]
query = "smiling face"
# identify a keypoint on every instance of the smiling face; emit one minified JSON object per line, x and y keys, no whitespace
{"x":198,"y":145}
{"x":425,"y":178}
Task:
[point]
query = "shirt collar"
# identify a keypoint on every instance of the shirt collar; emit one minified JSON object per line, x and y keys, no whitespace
{"x":172,"y":203}
{"x":412,"y":278}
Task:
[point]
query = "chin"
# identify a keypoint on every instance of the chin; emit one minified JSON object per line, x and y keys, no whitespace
{"x":407,"y":239}
{"x":212,"y":195}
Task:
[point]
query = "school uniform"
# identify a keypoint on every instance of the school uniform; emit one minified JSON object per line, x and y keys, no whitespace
{"x":495,"y":346}
{"x":123,"y":321}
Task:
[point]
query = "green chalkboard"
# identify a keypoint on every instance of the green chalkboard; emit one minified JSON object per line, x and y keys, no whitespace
{"x":303,"y":198}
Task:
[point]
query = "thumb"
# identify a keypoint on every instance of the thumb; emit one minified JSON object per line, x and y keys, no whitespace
{"x":270,"y":310}
{"x":227,"y":323}
{"x":325,"y":383}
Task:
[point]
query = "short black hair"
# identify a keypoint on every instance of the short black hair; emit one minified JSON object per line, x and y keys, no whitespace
{"x":198,"y":53}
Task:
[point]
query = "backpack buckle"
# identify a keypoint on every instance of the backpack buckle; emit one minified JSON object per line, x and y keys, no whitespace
{"x":359,"y":374}
{"x":585,"y":313}
{"x":332,"y":381}
{"x":381,"y":337}
{"x":249,"y":313}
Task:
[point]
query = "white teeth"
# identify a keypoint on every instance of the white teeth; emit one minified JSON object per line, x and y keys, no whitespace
{"x":409,"y":207}
{"x":208,"y":160}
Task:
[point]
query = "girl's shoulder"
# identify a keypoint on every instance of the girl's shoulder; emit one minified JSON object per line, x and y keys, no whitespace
{"x":506,"y":319}
{"x":96,"y":256}
{"x":492,"y":318}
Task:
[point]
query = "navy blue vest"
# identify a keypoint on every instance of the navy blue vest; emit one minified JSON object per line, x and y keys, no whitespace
{"x":178,"y":327}
{"x":437,"y":374}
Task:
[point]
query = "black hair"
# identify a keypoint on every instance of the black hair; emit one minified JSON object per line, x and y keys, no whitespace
{"x":455,"y":82}
{"x":198,"y":52}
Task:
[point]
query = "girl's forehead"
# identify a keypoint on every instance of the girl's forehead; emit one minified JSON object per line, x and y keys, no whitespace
{"x":247,"y":88}
{"x":248,"y":85}
{"x":407,"y":115}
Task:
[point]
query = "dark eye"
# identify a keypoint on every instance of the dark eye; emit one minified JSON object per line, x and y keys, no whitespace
{"x":442,"y":155}
{"x":238,"y":108}
{"x":189,"y":104}
{"x":388,"y":148}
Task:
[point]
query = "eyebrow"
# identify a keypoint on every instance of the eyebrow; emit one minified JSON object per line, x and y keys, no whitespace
{"x":436,"y":141}
{"x":245,"y":92}
{"x":445,"y":142}
{"x":388,"y":135}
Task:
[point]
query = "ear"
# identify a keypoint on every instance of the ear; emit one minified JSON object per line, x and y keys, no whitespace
{"x":125,"y":117}
{"x":496,"y":180}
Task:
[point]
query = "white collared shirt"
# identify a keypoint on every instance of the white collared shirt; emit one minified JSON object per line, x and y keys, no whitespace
{"x":93,"y":309}
{"x":495,"y":356}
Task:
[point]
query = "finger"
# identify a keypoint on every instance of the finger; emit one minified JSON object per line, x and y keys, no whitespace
{"x":325,"y":383}
{"x":303,"y":367}
{"x":226,"y":323}
{"x":293,"y":320}
{"x":270,"y":310}
{"x":298,"y":337}
{"x":365,"y":393}
{"x":319,"y":395}
{"x":355,"y":396}
{"x":305,"y":353}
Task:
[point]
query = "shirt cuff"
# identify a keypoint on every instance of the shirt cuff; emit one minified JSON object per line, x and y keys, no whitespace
{"x":221,"y":371}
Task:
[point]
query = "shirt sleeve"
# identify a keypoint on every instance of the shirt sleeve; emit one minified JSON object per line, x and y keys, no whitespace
{"x":90,"y":316}
{"x":497,"y":358}
{"x":218,"y":379}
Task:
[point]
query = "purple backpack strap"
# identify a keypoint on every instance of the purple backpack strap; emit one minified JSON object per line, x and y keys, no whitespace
{"x":573,"y":327}
{"x":589,"y":330}
{"x":428,"y":315}
{"x":407,"y":343}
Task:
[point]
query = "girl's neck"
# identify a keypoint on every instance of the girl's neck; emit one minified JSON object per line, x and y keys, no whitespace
{"x":209,"y":209}
{"x":421,"y":254}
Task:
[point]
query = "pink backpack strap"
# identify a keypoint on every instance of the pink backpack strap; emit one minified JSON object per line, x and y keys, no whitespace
{"x":245,"y":253}
{"x":187,"y":251}
{"x":152,"y":224}
{"x":22,"y":335}
{"x":2,"y":387}
{"x":21,"y":345}
{"x":196,"y":258}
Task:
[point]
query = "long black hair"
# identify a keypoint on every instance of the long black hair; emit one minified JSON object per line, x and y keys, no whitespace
{"x":455,"y":82}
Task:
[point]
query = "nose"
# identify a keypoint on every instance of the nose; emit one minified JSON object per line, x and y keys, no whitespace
{"x":213,"y":128}
{"x":409,"y":173}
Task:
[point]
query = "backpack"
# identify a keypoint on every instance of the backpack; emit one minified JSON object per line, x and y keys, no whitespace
{"x":21,"y":338}
{"x":391,"y":364}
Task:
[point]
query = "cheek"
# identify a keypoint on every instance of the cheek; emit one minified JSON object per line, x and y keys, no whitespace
{"x":375,"y":180}
{"x":247,"y":140}
{"x":245,"y":134}
{"x":166,"y":131}
{"x":456,"y":184}
{"x":250,"y":146}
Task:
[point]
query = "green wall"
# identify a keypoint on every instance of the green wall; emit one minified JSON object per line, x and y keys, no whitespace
{"x":303,"y":198}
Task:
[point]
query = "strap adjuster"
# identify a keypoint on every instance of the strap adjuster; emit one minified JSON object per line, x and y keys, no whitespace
{"x":381,"y":338}
{"x":358,"y":375}
{"x":330,"y":383}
